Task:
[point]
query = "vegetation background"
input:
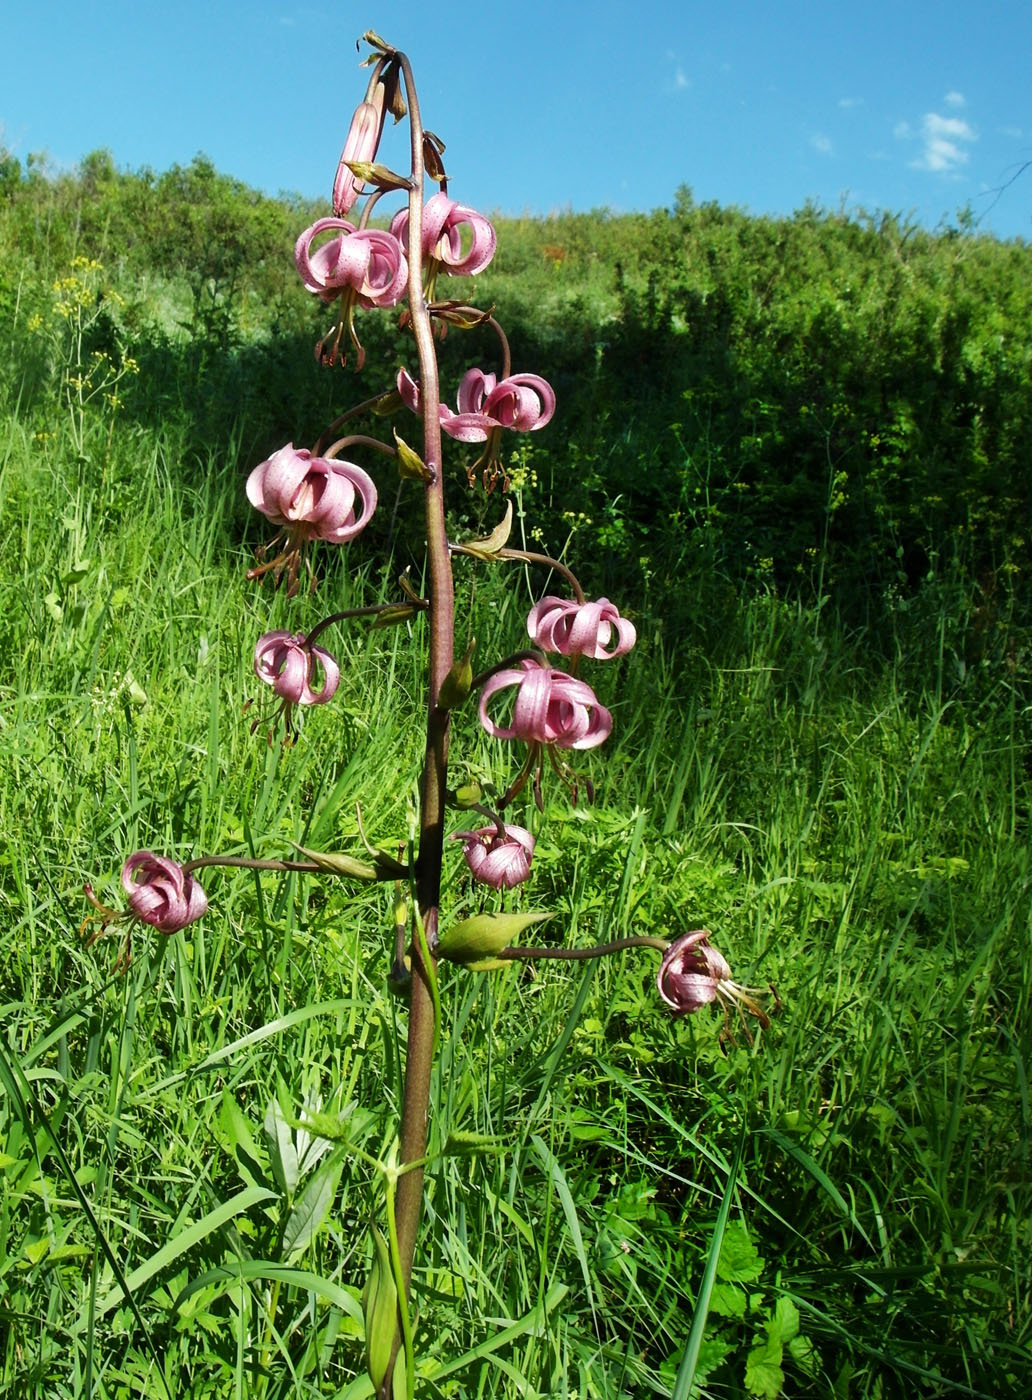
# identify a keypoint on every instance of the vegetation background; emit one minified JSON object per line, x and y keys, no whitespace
{"x":796,"y":451}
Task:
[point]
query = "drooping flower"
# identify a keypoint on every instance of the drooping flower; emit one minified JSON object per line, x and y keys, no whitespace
{"x":286,"y":661}
{"x":314,"y":497}
{"x":498,"y":861}
{"x":694,"y":974}
{"x":161,"y":893}
{"x":550,"y":708}
{"x":361,"y":143}
{"x":369,"y":263}
{"x":443,"y":222}
{"x":524,"y":402}
{"x":580,"y":629}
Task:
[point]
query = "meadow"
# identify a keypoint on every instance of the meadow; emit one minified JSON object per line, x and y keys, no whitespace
{"x":795,"y":450}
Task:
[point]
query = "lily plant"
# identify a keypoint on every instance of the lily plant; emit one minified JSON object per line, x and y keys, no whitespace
{"x":318,"y":499}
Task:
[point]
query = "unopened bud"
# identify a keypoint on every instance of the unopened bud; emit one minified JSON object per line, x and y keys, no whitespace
{"x":473,"y":942}
{"x":464,"y":797}
{"x":380,"y":1306}
{"x":457,"y":683}
{"x":384,"y":866}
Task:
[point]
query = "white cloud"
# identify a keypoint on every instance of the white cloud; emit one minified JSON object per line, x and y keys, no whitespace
{"x":822,"y":143}
{"x":943,"y":142}
{"x":955,"y":99}
{"x":847,"y":102}
{"x":943,"y":149}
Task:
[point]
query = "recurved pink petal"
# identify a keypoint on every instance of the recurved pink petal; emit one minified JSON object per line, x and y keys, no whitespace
{"x":475,"y":388}
{"x":442,"y":238}
{"x":580,"y":629}
{"x":523,"y":402}
{"x":497,"y":861}
{"x":164,"y":896}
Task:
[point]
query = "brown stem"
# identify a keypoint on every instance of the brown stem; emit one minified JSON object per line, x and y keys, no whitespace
{"x":530,"y":558}
{"x":360,"y":440}
{"x":249,"y":863}
{"x":372,"y":610}
{"x":377,"y":399}
{"x":419,"y":1058}
{"x":599,"y":950}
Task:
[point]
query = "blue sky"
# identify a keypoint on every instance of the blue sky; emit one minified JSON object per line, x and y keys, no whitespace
{"x":910,"y":106}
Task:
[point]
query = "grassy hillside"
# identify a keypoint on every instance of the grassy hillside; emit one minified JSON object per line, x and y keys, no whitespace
{"x":792,"y":450}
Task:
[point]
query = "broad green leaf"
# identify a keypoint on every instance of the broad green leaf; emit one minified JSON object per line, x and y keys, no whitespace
{"x":739,"y":1261}
{"x":783,"y":1325}
{"x":282,"y":1152}
{"x":763,"y":1374}
{"x":310,"y":1209}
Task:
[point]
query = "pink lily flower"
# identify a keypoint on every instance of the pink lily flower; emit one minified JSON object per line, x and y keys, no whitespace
{"x":443,"y":220}
{"x":286,"y":661}
{"x":367,"y":262}
{"x":361,"y":143}
{"x":693,"y":974}
{"x":164,"y":896}
{"x":500,"y":862}
{"x":580,"y":629}
{"x":314,"y":497}
{"x":550,"y":708}
{"x":524,"y":402}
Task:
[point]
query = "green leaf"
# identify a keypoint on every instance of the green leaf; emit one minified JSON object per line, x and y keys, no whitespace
{"x":186,"y":1239}
{"x":488,"y":547}
{"x":763,"y":1374}
{"x":728,"y":1300}
{"x":784,"y":1323}
{"x":410,"y":465}
{"x":456,"y":685}
{"x":245,"y":1151}
{"x":282,"y":1152}
{"x":310,"y":1210}
{"x":739,"y":1260}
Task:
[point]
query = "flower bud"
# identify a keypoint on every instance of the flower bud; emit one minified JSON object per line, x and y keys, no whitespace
{"x":473,"y":942}
{"x":380,"y":1306}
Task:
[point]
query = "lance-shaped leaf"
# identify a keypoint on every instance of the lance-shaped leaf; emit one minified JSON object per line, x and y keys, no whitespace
{"x":457,"y":313}
{"x":384,"y":866}
{"x":489,"y":547}
{"x":393,"y":100}
{"x":410,"y":465}
{"x":395,"y":615}
{"x":457,"y":683}
{"x":473,"y":942}
{"x":371,"y":172}
{"x":433,"y":150}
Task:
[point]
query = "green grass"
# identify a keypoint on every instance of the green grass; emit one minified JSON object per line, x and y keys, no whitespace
{"x":846,"y":810}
